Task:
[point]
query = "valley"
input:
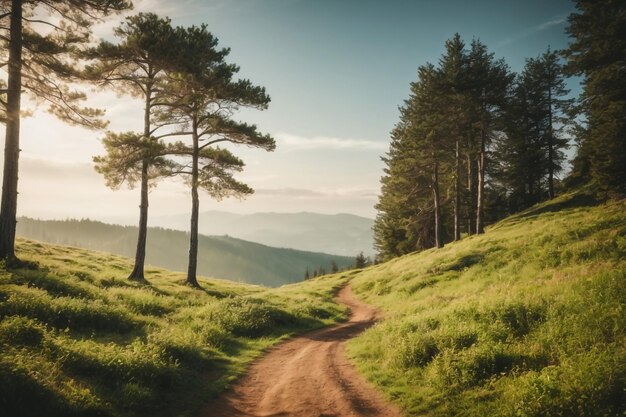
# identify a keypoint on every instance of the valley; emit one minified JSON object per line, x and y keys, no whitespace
{"x":219,"y":256}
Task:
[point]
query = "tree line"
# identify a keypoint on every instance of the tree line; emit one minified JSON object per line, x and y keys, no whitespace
{"x":189,"y":91}
{"x":476,"y":142}
{"x":360,"y":261}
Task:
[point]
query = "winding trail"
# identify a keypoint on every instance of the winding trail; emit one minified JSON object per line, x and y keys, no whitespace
{"x":308,"y":376}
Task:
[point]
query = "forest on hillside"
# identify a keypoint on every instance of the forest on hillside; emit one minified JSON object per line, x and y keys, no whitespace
{"x":218,"y":256}
{"x":477,"y":142}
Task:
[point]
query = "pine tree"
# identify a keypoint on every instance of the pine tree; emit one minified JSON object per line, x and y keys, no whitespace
{"x":598,"y":53}
{"x":360,"y":261}
{"x":399,"y":203}
{"x":521,"y":162}
{"x":430,"y":141}
{"x":41,"y":63}
{"x":136,"y":66}
{"x":454,"y":72}
{"x":202,"y":98}
{"x":531,"y":152}
{"x":409,"y":208}
{"x":489,"y":82}
{"x":557,"y":110}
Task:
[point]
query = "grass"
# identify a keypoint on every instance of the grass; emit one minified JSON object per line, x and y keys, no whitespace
{"x":78,"y":339}
{"x":528,"y":319}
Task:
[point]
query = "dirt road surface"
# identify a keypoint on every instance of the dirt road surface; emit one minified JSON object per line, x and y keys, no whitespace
{"x":308,"y":376}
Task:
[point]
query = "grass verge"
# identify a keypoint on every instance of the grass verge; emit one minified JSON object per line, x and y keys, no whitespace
{"x":78,"y":339}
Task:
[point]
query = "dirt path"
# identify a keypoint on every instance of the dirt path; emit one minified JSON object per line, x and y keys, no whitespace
{"x":308,"y":376}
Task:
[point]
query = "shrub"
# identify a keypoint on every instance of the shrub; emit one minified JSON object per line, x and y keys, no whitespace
{"x":589,"y":384}
{"x":66,"y":312}
{"x":138,"y":361}
{"x":248,"y":317}
{"x":453,"y":370}
{"x":415,"y":350}
{"x":144,"y":301}
{"x":21,"y":331}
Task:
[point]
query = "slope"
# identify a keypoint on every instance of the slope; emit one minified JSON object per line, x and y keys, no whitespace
{"x":78,"y":339}
{"x":218,"y":256}
{"x":528,"y":319}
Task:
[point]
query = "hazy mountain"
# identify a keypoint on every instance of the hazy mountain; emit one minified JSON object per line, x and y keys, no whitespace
{"x":220,"y":257}
{"x":343,"y":234}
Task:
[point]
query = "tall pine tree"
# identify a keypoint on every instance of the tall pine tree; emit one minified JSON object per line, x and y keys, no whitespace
{"x":41,"y":63}
{"x":202,"y":97}
{"x":137,"y":65}
{"x":598,"y":53}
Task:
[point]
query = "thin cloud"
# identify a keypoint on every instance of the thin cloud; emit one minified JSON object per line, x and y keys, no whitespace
{"x":288,"y":192}
{"x":353,"y":193}
{"x":555,"y":21}
{"x":298,"y":143}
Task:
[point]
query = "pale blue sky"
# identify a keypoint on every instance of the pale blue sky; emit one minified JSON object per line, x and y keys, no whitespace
{"x":336,"y":71}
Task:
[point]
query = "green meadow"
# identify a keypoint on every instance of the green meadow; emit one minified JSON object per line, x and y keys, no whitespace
{"x":528,"y":319}
{"x":78,"y":339}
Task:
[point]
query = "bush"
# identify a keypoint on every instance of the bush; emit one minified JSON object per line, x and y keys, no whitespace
{"x":66,"y":312}
{"x":139,"y":361}
{"x":52,"y":284}
{"x":589,"y":384}
{"x":415,"y":350}
{"x":457,"y":335}
{"x":144,"y":301}
{"x":21,"y":331}
{"x":190,"y":343}
{"x":453,"y":370}
{"x":519,"y":318}
{"x":248,"y":317}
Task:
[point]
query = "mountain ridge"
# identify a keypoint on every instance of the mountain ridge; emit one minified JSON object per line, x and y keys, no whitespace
{"x":219,"y":256}
{"x":342,"y":233}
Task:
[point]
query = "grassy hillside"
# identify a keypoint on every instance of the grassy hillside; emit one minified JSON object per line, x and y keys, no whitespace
{"x":526,"y":320}
{"x":78,"y":339}
{"x":218,"y":256}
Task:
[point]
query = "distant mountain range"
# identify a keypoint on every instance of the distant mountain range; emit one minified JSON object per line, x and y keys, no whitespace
{"x":219,"y":257}
{"x":343,"y":234}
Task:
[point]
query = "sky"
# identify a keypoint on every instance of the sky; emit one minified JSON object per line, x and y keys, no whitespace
{"x":336,"y":71}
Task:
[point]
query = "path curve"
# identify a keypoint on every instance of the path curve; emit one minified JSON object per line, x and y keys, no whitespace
{"x":308,"y":376}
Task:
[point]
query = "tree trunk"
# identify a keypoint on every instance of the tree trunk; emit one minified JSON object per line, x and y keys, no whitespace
{"x":8,"y":205}
{"x":480,"y":200}
{"x":550,"y":142}
{"x":195,"y":207}
{"x":457,"y":194}
{"x":471,"y":195}
{"x":137,"y":273}
{"x":438,"y":237}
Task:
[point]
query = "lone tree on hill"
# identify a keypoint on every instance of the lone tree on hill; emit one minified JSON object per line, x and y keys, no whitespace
{"x":360,"y":261}
{"x":41,"y":62}
{"x":202,"y":98}
{"x":137,"y":66}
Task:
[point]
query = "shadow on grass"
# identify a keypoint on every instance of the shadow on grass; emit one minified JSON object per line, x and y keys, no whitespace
{"x":22,"y":395}
{"x":575,"y":201}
